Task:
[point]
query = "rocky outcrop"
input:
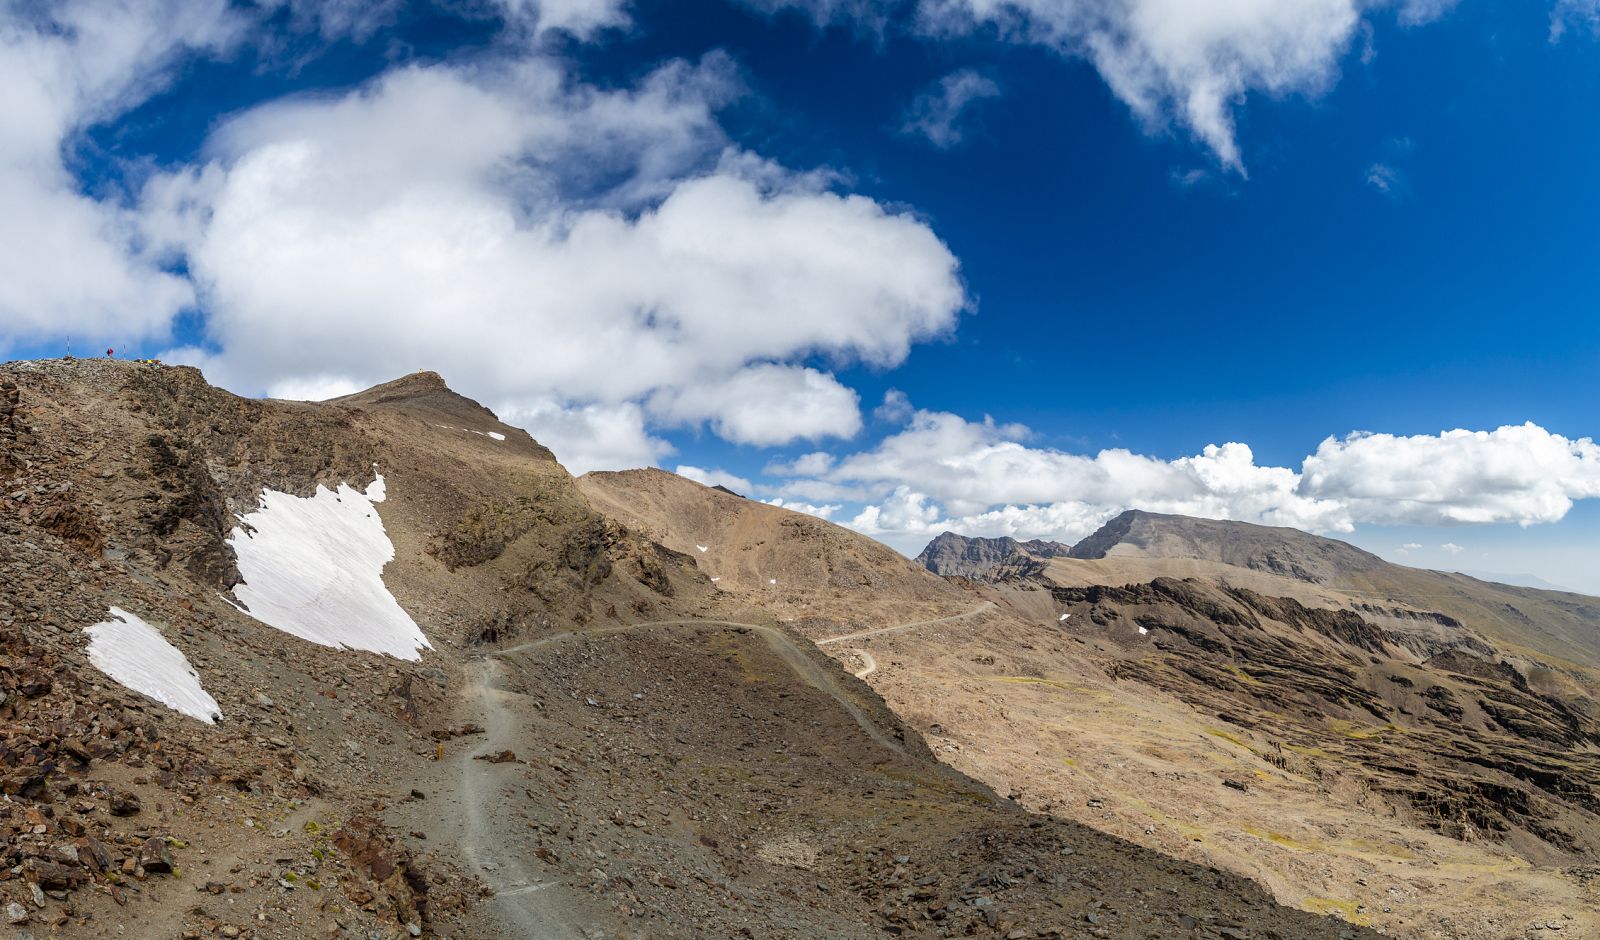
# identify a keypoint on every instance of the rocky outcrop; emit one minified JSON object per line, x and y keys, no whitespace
{"x":980,"y":559}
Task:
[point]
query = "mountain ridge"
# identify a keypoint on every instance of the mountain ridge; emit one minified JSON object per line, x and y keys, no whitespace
{"x":592,"y":739}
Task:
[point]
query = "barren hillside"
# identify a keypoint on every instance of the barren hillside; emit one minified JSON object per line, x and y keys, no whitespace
{"x":374,"y":667}
{"x":825,"y":578}
{"x":1381,"y":742}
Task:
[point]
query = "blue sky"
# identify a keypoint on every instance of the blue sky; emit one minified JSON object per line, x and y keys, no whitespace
{"x":716,"y":234}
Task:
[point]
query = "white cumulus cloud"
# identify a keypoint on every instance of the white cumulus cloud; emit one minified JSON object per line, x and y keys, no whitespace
{"x":982,"y":478}
{"x":1189,"y":59}
{"x":544,"y":245}
{"x":70,"y":263}
{"x":1518,"y":473}
{"x":308,"y":388}
{"x":812,"y":464}
{"x":1569,"y":13}
{"x":589,"y":436}
{"x":767,"y":404}
{"x":581,"y":18}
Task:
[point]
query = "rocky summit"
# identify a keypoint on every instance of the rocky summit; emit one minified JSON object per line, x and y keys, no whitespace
{"x":379,"y":667}
{"x":959,"y":556}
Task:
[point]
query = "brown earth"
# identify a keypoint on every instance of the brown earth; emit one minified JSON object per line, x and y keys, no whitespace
{"x":1391,"y":745}
{"x":602,"y":743}
{"x":822,"y":577}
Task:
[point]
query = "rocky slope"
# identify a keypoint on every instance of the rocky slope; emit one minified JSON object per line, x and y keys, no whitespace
{"x":1414,"y":750}
{"x":594,"y":739}
{"x":824,"y":578}
{"x":1530,"y":624}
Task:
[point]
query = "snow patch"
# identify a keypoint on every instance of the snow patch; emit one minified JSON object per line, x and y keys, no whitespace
{"x":494,"y":434}
{"x":136,"y":655}
{"x":772,"y":580}
{"x":1063,"y":618}
{"x":715,"y":580}
{"x":703,"y":549}
{"x":313,"y":568}
{"x":1143,"y":631}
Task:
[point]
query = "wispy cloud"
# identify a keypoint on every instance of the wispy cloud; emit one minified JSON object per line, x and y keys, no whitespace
{"x":1386,"y":179}
{"x":1574,"y":13}
{"x":940,"y":113}
{"x":1386,"y":174}
{"x":1188,"y":178}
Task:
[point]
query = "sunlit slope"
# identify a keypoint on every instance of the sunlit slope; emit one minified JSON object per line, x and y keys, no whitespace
{"x":1560,"y":628}
{"x":796,"y":565}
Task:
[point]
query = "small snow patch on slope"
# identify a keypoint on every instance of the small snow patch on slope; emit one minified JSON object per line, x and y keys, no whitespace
{"x":136,"y":655}
{"x":497,"y":435}
{"x":313,"y":567}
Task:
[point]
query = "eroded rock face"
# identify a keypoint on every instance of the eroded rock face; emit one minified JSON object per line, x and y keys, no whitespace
{"x":981,"y":559}
{"x":10,"y":397}
{"x":1459,"y":743}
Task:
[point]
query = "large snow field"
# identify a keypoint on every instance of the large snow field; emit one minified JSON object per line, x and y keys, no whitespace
{"x":313,"y":567}
{"x":136,"y":655}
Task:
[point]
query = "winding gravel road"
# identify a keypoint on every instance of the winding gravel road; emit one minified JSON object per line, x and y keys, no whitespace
{"x":982,"y":608}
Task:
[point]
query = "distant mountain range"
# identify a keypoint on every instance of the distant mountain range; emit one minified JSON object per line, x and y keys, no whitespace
{"x":1385,"y":723}
{"x":1273,"y":549}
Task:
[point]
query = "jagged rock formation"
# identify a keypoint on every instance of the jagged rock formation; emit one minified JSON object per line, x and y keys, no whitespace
{"x":979,"y":559}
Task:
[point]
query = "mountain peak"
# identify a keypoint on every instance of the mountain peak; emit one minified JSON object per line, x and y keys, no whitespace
{"x":1275,"y":549}
{"x":417,"y":384}
{"x":420,"y":391}
{"x":952,"y":554}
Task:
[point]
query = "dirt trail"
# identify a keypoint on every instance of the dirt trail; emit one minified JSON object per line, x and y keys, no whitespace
{"x":984,"y":607}
{"x":524,"y":902}
{"x":869,"y":664}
